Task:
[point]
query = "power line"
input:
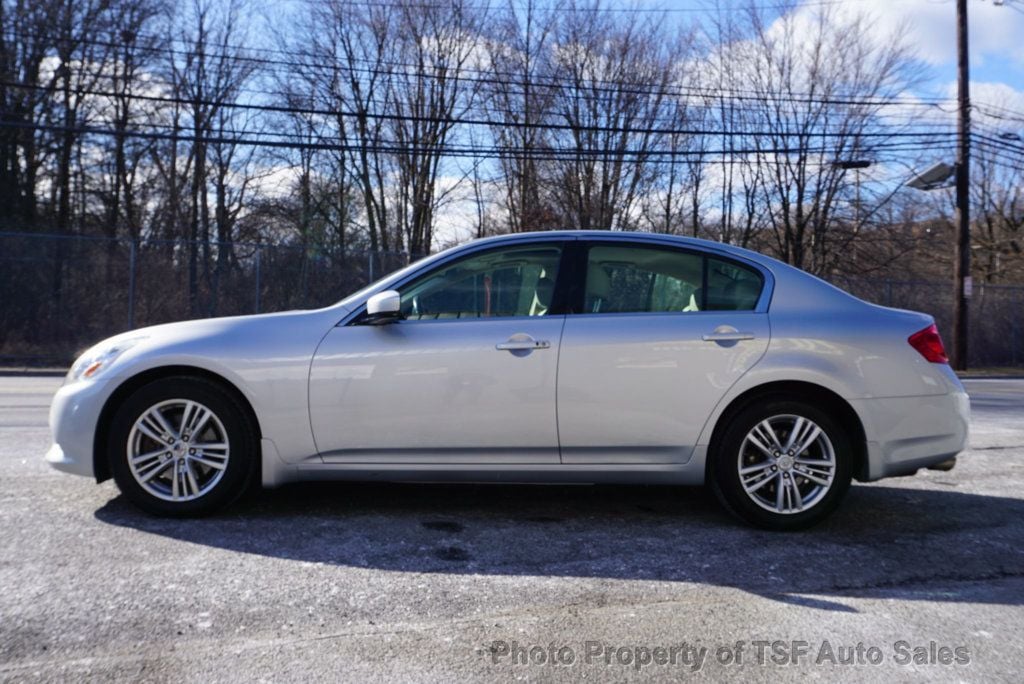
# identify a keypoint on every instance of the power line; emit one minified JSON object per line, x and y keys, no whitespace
{"x":461,"y":120}
{"x":998,"y":142}
{"x":389,"y":147}
{"x":506,"y":78}
{"x":1006,"y":115}
{"x":1014,"y":160}
{"x":595,"y":10}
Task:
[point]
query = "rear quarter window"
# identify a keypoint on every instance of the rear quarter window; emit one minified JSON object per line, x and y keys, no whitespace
{"x":732,"y":286}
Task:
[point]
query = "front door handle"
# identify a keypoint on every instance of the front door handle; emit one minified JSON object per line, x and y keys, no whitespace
{"x":727,"y":333}
{"x":524,"y":343}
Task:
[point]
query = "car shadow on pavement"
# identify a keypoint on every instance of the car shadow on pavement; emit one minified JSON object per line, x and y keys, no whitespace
{"x":884,"y":541}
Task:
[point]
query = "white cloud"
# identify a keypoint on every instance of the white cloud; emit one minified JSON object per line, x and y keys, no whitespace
{"x":995,"y":30}
{"x":456,"y":218}
{"x":998,"y":94}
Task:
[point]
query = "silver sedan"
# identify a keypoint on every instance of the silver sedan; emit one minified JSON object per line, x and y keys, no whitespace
{"x":546,"y":357}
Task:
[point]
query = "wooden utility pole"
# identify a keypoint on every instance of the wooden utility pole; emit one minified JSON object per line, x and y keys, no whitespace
{"x":962,"y":260}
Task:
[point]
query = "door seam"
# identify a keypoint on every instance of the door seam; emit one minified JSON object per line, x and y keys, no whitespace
{"x":558,"y":367}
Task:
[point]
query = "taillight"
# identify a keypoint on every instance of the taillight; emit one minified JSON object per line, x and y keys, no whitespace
{"x":928,"y":343}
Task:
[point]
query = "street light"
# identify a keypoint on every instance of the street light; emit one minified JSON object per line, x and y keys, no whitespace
{"x":933,"y":178}
{"x":856,"y":165}
{"x":936,"y":177}
{"x":852,"y":164}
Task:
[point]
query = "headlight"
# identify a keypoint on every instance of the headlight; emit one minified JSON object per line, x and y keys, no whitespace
{"x":96,"y":360}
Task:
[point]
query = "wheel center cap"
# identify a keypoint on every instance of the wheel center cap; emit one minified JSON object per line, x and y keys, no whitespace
{"x":785,"y":462}
{"x":179,"y":447}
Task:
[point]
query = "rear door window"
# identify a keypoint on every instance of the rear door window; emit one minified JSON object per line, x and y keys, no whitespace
{"x":651,"y":279}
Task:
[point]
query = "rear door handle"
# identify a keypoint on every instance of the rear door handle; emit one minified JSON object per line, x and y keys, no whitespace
{"x":528,"y":344}
{"x":720,"y":335}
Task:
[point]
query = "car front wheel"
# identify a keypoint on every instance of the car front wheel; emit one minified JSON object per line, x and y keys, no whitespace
{"x":182,"y":447}
{"x":782,"y":464}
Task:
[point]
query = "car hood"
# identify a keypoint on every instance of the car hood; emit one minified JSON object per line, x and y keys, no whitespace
{"x":213,"y":327}
{"x":223,"y":337}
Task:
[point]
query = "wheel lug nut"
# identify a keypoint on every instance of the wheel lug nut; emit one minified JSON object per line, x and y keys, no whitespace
{"x":192,"y":451}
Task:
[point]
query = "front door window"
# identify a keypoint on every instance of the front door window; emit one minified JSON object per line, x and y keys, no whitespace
{"x":500,"y":283}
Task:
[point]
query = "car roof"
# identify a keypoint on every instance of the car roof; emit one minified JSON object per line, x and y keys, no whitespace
{"x":801,"y":290}
{"x":636,"y":236}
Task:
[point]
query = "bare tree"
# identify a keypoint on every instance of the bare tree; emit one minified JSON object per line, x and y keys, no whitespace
{"x":209,"y":75}
{"x":346,"y":67}
{"x":520,"y":101}
{"x":674,"y":202}
{"x":997,"y":199}
{"x":79,"y":65}
{"x":429,"y":94}
{"x":26,"y":35}
{"x":79,"y":62}
{"x":136,"y":45}
{"x":818,"y":83}
{"x":613,"y":79}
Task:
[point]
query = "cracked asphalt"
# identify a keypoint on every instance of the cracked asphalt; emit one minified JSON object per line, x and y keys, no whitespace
{"x":462,"y":582}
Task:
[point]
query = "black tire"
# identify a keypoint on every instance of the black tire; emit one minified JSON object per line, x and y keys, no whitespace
{"x":724,"y":466}
{"x":240,"y":433}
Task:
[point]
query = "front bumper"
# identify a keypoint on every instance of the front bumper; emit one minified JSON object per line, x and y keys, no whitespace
{"x":74,"y":415}
{"x":56,"y":457}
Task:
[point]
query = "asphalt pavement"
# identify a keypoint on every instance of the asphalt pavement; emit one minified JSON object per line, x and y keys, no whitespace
{"x":919,"y":577}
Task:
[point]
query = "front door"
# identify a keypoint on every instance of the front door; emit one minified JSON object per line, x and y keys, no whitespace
{"x":467,"y":377}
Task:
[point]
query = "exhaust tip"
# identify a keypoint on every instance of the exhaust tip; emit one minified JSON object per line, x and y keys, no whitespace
{"x":944,"y":466}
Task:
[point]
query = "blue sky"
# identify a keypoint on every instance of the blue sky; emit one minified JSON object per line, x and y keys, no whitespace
{"x":996,"y":39}
{"x":928,"y":27}
{"x":996,"y":36}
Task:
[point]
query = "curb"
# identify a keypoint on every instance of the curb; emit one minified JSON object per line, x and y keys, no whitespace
{"x":33,"y":372}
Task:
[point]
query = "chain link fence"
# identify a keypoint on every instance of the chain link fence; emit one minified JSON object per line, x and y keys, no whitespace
{"x":995,"y":335}
{"x":59,"y":294}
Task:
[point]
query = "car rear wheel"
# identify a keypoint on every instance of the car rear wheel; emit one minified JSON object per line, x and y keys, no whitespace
{"x":782,"y":464}
{"x":182,"y":446}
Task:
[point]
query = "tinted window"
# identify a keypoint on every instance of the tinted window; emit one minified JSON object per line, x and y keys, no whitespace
{"x":629,"y":279}
{"x":732,"y":287}
{"x":514,"y":281}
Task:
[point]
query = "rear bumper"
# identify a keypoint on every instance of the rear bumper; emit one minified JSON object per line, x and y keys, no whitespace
{"x":905,"y":434}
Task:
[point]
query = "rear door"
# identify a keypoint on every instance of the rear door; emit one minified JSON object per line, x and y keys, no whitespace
{"x":660,"y":334}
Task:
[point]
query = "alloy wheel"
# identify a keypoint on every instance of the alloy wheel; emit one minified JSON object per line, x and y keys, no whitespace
{"x":178,"y":450}
{"x":787,"y":464}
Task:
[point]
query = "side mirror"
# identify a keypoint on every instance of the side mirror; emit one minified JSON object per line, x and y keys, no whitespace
{"x":384,"y":307}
